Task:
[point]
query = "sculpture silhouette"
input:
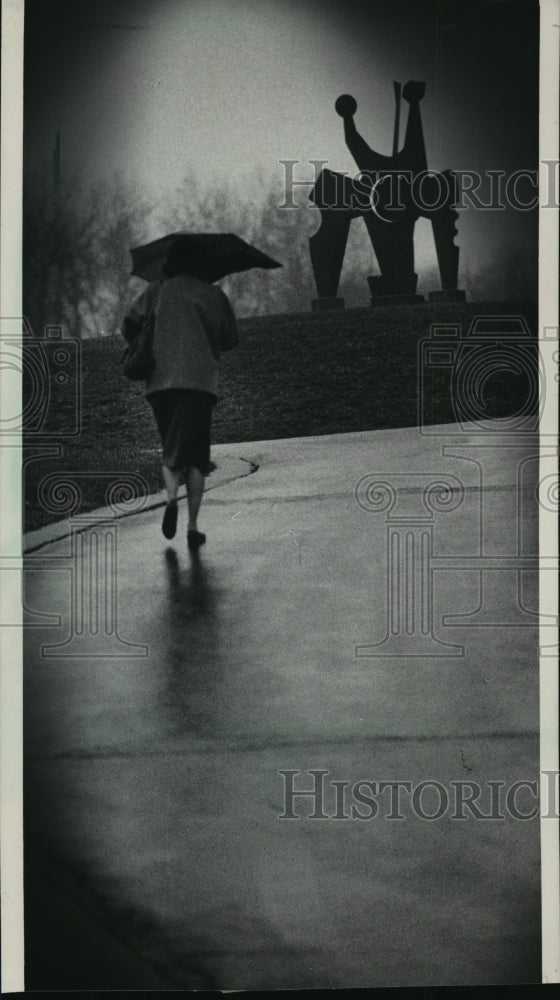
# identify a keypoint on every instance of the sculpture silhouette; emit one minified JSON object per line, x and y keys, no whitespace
{"x":390,"y":193}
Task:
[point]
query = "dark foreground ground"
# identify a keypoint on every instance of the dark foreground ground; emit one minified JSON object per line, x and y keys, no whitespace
{"x":293,"y":376}
{"x":155,"y":855}
{"x":154,"y":752}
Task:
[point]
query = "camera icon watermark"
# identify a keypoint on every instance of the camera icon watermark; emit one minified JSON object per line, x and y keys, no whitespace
{"x":495,"y":370}
{"x":492,"y":383}
{"x":40,"y":382}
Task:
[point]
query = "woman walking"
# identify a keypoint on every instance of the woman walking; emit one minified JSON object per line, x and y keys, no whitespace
{"x":193,"y":324}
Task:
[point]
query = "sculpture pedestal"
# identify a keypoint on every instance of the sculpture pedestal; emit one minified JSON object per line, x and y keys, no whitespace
{"x":396,"y":300}
{"x":397,"y":290}
{"x":448,"y":295}
{"x":327,"y":302}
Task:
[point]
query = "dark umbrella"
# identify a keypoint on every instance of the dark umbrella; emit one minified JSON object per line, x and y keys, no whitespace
{"x":211,"y":255}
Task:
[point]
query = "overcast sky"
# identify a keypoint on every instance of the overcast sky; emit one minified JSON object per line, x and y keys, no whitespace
{"x":157,"y":87}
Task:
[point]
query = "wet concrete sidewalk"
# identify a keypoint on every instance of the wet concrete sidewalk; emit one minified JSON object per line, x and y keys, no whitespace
{"x":357,"y":610}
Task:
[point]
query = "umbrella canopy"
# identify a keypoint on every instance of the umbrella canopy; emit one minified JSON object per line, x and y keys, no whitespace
{"x":211,"y":255}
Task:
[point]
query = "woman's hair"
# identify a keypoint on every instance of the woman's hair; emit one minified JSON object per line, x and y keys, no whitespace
{"x":181,"y":260}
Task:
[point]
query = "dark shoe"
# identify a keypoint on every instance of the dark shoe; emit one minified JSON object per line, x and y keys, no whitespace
{"x":169,"y":523}
{"x":195,"y":539}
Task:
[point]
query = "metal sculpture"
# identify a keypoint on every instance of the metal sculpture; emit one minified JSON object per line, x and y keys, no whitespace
{"x":390,"y":193}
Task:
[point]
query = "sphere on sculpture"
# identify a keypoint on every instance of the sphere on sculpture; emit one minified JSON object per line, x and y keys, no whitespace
{"x":345,"y":106}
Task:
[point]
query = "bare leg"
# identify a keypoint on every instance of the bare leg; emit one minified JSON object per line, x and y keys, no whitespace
{"x":195,"y":488}
{"x":172,"y":479}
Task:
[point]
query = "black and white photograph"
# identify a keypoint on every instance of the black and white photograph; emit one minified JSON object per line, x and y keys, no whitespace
{"x":279,"y":367}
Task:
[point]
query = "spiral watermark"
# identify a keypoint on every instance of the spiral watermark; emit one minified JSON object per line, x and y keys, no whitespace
{"x":60,"y":494}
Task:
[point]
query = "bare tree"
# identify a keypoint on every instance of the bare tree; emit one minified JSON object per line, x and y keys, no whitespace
{"x":77,"y":239}
{"x":251,"y":208}
{"x":123,"y":214}
{"x":76,"y":263}
{"x":58,"y":242}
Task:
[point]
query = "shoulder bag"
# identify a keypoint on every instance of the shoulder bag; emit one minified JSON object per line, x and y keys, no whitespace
{"x":138,"y":360}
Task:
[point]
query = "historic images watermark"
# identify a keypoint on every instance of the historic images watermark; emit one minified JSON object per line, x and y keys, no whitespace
{"x":459,"y":367}
{"x":313,"y":797}
{"x":41,"y":377}
{"x":91,"y":565}
{"x":384,"y":191}
{"x":42,"y":381}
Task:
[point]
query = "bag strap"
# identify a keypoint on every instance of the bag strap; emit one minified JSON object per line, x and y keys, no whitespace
{"x":153,"y":303}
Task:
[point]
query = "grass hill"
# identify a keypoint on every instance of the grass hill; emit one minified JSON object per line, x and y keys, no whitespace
{"x":293,"y":376}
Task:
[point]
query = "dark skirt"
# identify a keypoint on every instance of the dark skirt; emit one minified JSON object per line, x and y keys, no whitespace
{"x":184,"y":417}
